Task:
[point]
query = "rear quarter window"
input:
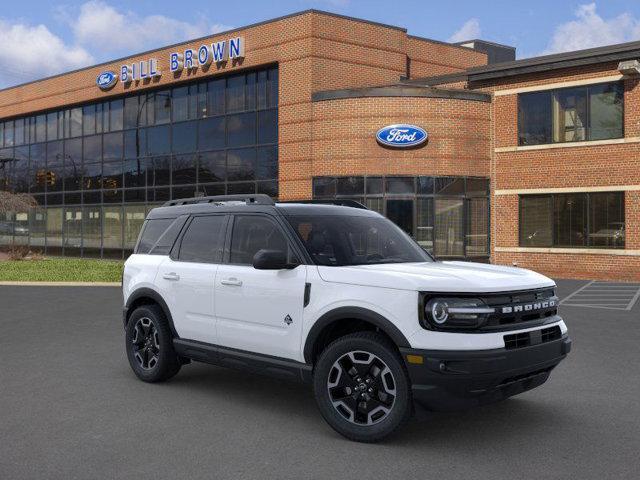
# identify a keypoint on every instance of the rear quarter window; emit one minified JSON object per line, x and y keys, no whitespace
{"x":158,"y":229}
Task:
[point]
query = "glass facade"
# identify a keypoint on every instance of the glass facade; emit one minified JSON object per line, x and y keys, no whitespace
{"x":96,"y":169}
{"x":448,"y":216}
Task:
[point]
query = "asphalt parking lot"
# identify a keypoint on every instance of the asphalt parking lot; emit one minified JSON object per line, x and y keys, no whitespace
{"x":71,"y":408}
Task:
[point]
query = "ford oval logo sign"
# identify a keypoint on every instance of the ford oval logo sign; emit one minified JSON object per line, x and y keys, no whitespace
{"x":401,"y":136}
{"x":106,"y":80}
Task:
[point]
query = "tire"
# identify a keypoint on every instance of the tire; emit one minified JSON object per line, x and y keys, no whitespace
{"x":366,"y":414}
{"x":149,"y":345}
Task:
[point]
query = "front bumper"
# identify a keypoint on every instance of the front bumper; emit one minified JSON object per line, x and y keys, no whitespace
{"x":453,"y":380}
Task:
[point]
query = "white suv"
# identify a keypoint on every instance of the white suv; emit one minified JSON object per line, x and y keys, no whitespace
{"x":339,"y":297}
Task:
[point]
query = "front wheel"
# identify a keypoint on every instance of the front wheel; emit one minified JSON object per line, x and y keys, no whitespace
{"x":149,"y":345}
{"x":362,"y":387}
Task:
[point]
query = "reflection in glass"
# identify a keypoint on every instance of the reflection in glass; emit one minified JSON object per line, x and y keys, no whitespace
{"x":241,"y":129}
{"x":211,"y":133}
{"x":267,"y":163}
{"x":159,"y":140}
{"x":133,"y":219}
{"x":241,"y":164}
{"x":54,"y":231}
{"x":536,"y":217}
{"x":183,"y":169}
{"x":477,"y":226}
{"x":112,"y":146}
{"x":424,"y":227}
{"x":112,"y":232}
{"x":449,"y":227}
{"x":37,"y":227}
{"x":71,"y":159}
{"x":184,"y":137}
{"x":72,"y":230}
{"x":92,"y":231}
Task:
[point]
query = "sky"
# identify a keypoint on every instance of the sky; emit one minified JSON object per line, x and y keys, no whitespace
{"x":39,"y":38}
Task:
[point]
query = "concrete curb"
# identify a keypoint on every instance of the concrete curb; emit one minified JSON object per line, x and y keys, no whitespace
{"x":60,"y":284}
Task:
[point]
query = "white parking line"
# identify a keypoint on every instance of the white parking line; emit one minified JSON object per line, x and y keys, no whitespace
{"x":576,"y":292}
{"x":634,"y":300}
{"x":611,"y":296}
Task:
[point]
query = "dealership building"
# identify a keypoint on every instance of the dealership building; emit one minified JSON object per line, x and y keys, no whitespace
{"x":533,"y":162}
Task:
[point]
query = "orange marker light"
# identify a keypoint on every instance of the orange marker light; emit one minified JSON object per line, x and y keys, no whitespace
{"x":416,"y":359}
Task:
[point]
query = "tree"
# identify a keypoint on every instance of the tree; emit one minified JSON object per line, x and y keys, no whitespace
{"x":16,"y":202}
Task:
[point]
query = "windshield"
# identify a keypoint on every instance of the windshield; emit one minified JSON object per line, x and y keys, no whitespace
{"x":339,"y":240}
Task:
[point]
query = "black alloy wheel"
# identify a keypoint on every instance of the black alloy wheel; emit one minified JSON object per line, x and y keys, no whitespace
{"x":149,"y":345}
{"x":362,"y":387}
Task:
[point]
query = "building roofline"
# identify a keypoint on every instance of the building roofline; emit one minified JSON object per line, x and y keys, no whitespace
{"x":495,"y":44}
{"x":400,"y":90}
{"x":556,"y":61}
{"x":440,"y":42}
{"x":436,"y":79}
{"x":225,"y":32}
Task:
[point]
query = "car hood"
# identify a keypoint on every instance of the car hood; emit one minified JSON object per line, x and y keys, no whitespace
{"x":438,"y":277}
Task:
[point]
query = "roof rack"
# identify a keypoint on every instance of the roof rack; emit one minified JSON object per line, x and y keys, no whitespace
{"x":259,"y":199}
{"x":339,"y":202}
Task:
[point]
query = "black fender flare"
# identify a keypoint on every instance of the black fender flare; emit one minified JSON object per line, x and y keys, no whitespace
{"x":157,"y":298}
{"x":352,"y":313}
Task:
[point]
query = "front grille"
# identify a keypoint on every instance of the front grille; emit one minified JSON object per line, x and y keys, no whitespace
{"x":535,"y":337}
{"x":512,"y":309}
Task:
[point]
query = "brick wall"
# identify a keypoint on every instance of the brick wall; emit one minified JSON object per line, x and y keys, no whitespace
{"x":314,"y":51}
{"x":344,"y":137}
{"x":429,"y":58}
{"x":614,"y":164}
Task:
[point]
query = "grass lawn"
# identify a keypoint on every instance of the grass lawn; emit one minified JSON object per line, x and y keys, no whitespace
{"x":61,"y":270}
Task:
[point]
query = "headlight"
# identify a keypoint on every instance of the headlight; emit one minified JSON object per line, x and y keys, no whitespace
{"x":443,"y":313}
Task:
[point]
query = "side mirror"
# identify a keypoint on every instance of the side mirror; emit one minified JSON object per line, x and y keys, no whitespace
{"x":271,"y":260}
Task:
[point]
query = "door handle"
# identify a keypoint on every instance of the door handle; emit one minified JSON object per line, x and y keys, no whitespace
{"x":171,"y":276}
{"x":234,"y":282}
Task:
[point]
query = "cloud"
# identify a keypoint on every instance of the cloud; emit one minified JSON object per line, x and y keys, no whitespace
{"x":104,"y":29}
{"x":28,"y":52}
{"x":591,"y":30}
{"x":469,"y":31}
{"x":98,"y":31}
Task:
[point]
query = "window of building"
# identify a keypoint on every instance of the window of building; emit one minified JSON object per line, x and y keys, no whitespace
{"x":447,"y":216}
{"x":138,"y":150}
{"x":593,"y":112}
{"x":573,"y":220}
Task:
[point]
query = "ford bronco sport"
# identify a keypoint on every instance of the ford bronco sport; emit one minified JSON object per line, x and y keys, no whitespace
{"x":339,"y":297}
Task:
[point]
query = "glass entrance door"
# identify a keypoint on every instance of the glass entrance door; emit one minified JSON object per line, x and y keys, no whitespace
{"x":400,"y":212}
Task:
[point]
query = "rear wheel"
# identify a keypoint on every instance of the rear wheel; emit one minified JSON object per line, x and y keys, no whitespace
{"x":362,"y":388}
{"x":149,"y":345}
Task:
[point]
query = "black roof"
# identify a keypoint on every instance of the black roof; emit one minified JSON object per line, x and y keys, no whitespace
{"x":184,"y":207}
{"x":590,"y":56}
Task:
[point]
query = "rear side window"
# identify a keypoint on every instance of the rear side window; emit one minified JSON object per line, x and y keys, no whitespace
{"x":203,"y":241}
{"x":151,"y":233}
{"x":168,"y":238}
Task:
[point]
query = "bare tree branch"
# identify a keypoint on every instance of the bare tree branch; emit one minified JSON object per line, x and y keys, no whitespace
{"x":16,"y":202}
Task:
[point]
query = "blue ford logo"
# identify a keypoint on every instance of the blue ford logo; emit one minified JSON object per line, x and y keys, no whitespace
{"x":401,"y":136}
{"x":106,"y":80}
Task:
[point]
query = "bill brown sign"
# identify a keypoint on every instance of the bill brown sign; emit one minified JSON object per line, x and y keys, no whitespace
{"x":189,"y":59}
